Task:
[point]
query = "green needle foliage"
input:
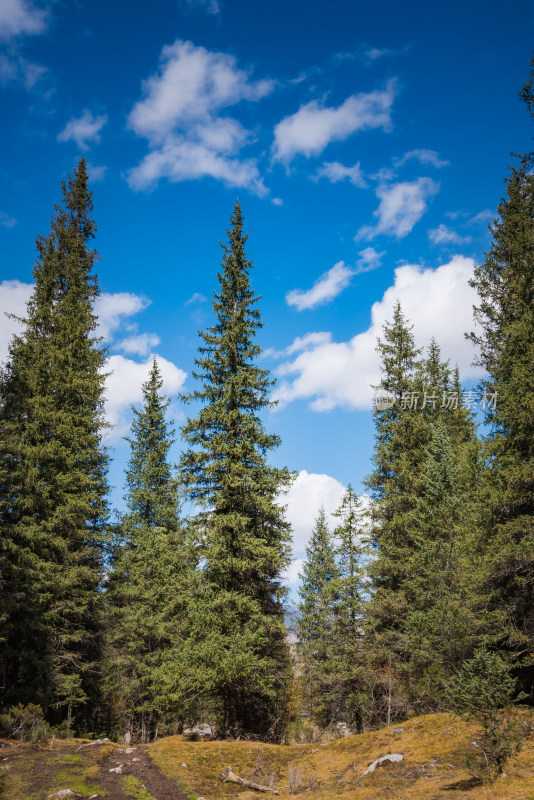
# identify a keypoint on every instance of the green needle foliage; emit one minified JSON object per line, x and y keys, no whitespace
{"x":316,"y":626}
{"x":349,"y":586}
{"x":483,"y":690}
{"x":145,"y":596}
{"x":237,"y":650}
{"x":505,"y":315}
{"x":53,"y":481}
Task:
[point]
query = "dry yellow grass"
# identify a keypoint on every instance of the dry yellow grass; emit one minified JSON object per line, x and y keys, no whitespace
{"x":432,"y":768}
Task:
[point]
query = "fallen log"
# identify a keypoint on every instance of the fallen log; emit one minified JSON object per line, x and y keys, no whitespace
{"x":230,"y":777}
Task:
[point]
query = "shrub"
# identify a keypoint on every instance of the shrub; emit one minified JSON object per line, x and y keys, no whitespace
{"x":24,"y":722}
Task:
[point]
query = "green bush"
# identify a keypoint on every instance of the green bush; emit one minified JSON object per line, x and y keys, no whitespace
{"x":483,"y":690}
{"x":24,"y":722}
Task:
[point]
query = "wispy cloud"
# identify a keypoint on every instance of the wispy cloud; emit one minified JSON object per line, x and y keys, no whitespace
{"x":314,"y":125}
{"x":196,"y":297}
{"x":180,"y":116}
{"x":401,"y":206}
{"x":325,"y":288}
{"x":211,"y":6}
{"x":442,"y":235}
{"x":6,"y":220}
{"x":335,"y":172}
{"x":21,"y":18}
{"x":369,"y":260}
{"x":84,"y":130}
{"x":425,"y":157}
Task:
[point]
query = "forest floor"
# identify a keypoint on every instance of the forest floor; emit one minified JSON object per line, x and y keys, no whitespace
{"x":175,"y":768}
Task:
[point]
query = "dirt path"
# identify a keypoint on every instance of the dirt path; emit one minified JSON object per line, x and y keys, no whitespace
{"x":136,"y":761}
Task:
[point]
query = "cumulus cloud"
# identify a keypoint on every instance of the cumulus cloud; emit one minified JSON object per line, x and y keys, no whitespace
{"x":307,"y":494}
{"x":401,"y":206}
{"x":141,"y":344}
{"x":335,"y":172}
{"x":113,"y":308}
{"x":13,"y":298}
{"x":123,"y":387}
{"x":325,"y":288}
{"x":314,"y":126}
{"x":83,"y":130}
{"x":439,"y":302}
{"x":19,"y":17}
{"x":442,"y":235}
{"x":180,"y":116}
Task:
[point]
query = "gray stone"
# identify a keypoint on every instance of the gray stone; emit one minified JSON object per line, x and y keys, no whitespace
{"x":393,"y":757}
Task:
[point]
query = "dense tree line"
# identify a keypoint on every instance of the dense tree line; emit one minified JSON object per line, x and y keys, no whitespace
{"x":137,"y":626}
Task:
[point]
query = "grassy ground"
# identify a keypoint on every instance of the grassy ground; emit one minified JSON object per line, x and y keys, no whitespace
{"x":432,"y":768}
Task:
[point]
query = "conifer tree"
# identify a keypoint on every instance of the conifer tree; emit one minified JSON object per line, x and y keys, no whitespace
{"x":505,"y":337}
{"x":53,"y":482}
{"x":237,"y":650}
{"x":145,"y":596}
{"x":315,"y":626}
{"x":420,"y":389}
{"x":349,"y":586}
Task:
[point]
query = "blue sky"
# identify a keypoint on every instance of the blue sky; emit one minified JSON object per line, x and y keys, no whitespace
{"x":367,"y":144}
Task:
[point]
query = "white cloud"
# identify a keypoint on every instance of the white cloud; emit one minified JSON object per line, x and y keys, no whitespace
{"x":325,"y":288}
{"x":15,"y":69}
{"x":123,"y":387}
{"x":307,"y":494}
{"x":314,"y":125}
{"x":179,"y":115}
{"x":18,"y":17}
{"x":369,"y":260}
{"x":7,"y":221}
{"x":141,"y":344}
{"x":334,"y":172}
{"x":277,"y":201}
{"x":96,"y":174}
{"x":83,"y":130}
{"x":425,"y":157}
{"x":196,"y":297}
{"x":401,"y":206}
{"x":13,"y":298}
{"x":439,"y":302}
{"x":483,"y":216}
{"x":112,"y":309}
{"x":444,"y":235}
{"x":377,"y":52}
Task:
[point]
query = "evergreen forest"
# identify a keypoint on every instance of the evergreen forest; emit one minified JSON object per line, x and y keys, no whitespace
{"x":420,"y":599}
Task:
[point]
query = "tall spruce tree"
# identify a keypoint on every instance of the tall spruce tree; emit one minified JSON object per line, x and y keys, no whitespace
{"x":237,"y":649}
{"x":145,"y":596}
{"x":315,"y":626}
{"x":425,"y":394}
{"x":505,"y":337}
{"x":348,"y":660}
{"x":53,"y":483}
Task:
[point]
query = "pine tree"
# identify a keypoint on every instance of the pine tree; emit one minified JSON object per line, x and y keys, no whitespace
{"x":145,"y":596}
{"x":238,"y":655}
{"x":505,"y":337}
{"x":315,"y":626}
{"x":54,"y":467}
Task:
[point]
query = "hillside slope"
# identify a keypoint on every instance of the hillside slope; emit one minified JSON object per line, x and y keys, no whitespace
{"x":177,"y":769}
